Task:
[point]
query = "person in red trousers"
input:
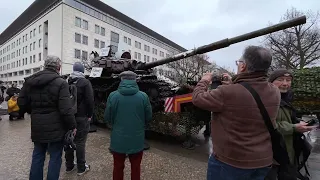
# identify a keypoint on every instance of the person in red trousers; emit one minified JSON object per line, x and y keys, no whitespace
{"x":128,"y":110}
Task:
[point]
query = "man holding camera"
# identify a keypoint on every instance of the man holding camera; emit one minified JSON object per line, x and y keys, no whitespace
{"x":242,"y":146}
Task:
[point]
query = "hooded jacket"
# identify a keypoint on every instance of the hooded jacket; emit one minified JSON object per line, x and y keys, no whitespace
{"x":128,"y":111}
{"x":45,"y":95}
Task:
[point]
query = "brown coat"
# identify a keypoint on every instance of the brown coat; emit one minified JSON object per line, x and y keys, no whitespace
{"x":239,"y":135}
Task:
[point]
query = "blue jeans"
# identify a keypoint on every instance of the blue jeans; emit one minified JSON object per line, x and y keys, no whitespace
{"x":39,"y":154}
{"x":218,"y":170}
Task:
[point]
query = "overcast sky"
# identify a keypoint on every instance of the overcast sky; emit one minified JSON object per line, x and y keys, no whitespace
{"x":192,"y":23}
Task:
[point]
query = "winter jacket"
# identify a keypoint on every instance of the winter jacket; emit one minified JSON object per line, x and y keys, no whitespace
{"x":85,"y":98}
{"x":128,"y":110}
{"x":240,"y":137}
{"x":45,"y":95}
{"x":286,"y":127}
{"x":12,"y":106}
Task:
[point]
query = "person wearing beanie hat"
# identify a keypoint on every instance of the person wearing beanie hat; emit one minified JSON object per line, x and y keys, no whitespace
{"x":78,"y":66}
{"x":85,"y":103}
{"x":287,"y":123}
{"x":128,"y":110}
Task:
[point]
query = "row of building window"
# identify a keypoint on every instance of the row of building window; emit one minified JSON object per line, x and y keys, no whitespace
{"x":79,"y":55}
{"x":114,"y":38}
{"x":20,"y":73}
{"x":18,"y":63}
{"x":84,"y":24}
{"x":18,"y":52}
{"x":110,"y":20}
{"x":18,"y":41}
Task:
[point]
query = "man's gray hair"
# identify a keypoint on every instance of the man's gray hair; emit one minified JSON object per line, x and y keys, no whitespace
{"x":52,"y":62}
{"x":129,"y":75}
{"x":257,"y":59}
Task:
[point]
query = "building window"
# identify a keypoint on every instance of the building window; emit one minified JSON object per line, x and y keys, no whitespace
{"x":30,"y":34}
{"x":34,"y":32}
{"x":34,"y":58}
{"x":22,"y":38}
{"x":84,"y":55}
{"x":97,"y":29}
{"x":145,"y":58}
{"x":77,"y":38}
{"x":103,"y":31}
{"x":96,"y":43}
{"x":137,"y":44}
{"x":84,"y":39}
{"x":147,"y":48}
{"x":39,"y":57}
{"x":26,"y":37}
{"x":154,"y":51}
{"x":135,"y":55}
{"x":39,"y":43}
{"x":125,"y":39}
{"x":40,"y":29}
{"x":114,"y":37}
{"x":30,"y":59}
{"x":129,"y":41}
{"x":102,"y":44}
{"x":78,"y":22}
{"x":139,"y":56}
{"x":85,"y":24}
{"x":31,"y":47}
{"x":34,"y":45}
{"x":77,"y":53}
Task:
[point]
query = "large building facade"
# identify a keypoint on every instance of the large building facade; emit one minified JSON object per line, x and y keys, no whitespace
{"x":71,"y":30}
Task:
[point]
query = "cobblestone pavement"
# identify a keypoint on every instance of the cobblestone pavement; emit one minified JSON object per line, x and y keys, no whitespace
{"x":164,"y":161}
{"x":16,"y":148}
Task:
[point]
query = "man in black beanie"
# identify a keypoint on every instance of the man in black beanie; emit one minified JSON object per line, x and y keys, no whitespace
{"x":83,"y":117}
{"x":287,"y":123}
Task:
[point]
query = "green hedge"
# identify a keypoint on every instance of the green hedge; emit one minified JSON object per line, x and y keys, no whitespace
{"x":306,"y":88}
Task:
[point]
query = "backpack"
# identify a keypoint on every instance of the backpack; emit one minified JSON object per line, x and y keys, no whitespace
{"x":73,"y":97}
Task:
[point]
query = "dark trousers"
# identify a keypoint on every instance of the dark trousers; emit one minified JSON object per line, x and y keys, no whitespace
{"x":118,"y":165}
{"x":15,"y":114}
{"x":83,"y":126}
{"x":38,"y":157}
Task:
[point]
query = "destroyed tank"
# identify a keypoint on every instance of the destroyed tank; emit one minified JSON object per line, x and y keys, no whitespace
{"x":106,"y":69}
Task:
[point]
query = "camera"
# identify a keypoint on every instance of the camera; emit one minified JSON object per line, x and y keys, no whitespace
{"x":217,"y":80}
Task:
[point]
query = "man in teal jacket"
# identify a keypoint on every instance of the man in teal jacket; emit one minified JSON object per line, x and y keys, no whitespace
{"x":128,"y":110}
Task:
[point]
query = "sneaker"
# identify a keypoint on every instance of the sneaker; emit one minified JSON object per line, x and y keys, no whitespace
{"x":85,"y":170}
{"x":69,"y":170}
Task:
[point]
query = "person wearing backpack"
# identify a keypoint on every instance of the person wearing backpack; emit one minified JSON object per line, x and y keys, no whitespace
{"x":289,"y":126}
{"x":82,"y":98}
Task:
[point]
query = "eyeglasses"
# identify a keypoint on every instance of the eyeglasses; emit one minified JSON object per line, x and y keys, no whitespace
{"x":238,"y":61}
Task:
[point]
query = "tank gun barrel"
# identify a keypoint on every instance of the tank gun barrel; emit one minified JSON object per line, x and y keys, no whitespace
{"x":226,"y":42}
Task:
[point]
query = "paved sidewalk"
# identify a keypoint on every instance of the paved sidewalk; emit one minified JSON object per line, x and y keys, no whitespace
{"x":16,"y":149}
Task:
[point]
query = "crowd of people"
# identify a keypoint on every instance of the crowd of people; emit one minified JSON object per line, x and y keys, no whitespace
{"x":61,"y":111}
{"x":243,"y":109}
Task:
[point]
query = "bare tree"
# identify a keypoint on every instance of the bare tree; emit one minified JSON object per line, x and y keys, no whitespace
{"x":191,"y":68}
{"x":296,"y":47}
